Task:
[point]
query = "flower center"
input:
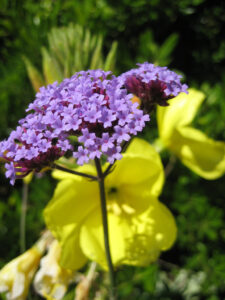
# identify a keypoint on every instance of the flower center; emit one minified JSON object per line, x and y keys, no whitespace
{"x":112,"y":190}
{"x":116,"y":204}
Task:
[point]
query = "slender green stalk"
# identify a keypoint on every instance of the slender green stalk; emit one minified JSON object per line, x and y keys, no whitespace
{"x":109,"y":169}
{"x":126,"y":145}
{"x":169,"y":167}
{"x":23,"y":218}
{"x":55,"y":166}
{"x":101,"y":178}
{"x":124,"y":148}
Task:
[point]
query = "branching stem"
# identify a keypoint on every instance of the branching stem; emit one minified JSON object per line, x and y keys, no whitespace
{"x":55,"y":166}
{"x":100,"y":178}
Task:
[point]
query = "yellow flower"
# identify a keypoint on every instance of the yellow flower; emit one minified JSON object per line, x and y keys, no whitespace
{"x":198,"y":152}
{"x":16,"y":276}
{"x":51,"y":281}
{"x":139,"y":225}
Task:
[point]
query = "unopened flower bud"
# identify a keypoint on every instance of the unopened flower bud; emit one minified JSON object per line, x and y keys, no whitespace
{"x":51,"y":280}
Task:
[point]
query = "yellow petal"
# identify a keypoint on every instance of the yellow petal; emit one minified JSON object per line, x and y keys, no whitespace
{"x":134,"y":240}
{"x":180,"y":112}
{"x":72,"y":201}
{"x":72,"y":257}
{"x":140,"y":148}
{"x":198,"y":152}
{"x":133,"y":197}
{"x":141,"y":164}
{"x":92,"y":241}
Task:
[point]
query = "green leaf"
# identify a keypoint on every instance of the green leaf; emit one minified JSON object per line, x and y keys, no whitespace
{"x":166,"y":49}
{"x":51,"y":68}
{"x":86,"y":47}
{"x":70,"y":295}
{"x":96,"y":61}
{"x":34,"y":75}
{"x":111,"y":58}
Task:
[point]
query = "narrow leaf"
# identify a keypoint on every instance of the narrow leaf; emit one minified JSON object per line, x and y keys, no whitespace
{"x":111,"y":58}
{"x":34,"y":75}
{"x":96,"y":61}
{"x":51,"y":68}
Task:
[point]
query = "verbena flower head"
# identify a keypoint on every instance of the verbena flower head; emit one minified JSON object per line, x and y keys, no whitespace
{"x":90,"y":105}
{"x":153,"y":84}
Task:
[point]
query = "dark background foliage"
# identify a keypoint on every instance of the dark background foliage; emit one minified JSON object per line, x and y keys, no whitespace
{"x":196,"y":47}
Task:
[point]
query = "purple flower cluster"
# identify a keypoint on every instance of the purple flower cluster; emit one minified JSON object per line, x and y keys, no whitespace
{"x":91,"y":105}
{"x":152,"y":84}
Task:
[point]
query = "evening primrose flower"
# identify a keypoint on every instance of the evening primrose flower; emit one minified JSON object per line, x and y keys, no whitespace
{"x":196,"y":150}
{"x":140,"y":227}
{"x":51,"y":281}
{"x":16,"y":276}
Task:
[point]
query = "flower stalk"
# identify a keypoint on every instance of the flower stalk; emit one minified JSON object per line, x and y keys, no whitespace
{"x":101,"y":178}
{"x":124,"y":148}
{"x":23,"y":218}
{"x":55,"y":166}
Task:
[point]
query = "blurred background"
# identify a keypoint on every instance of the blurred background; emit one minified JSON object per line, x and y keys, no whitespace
{"x":43,"y":41}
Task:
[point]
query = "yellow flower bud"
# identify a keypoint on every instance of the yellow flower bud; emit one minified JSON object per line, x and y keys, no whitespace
{"x":16,"y":276}
{"x":51,"y":280}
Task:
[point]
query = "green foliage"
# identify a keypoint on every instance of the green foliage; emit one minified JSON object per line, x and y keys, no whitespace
{"x":71,"y":49}
{"x":149,"y":50}
{"x":199,"y":207}
{"x":13,"y":97}
{"x":212,"y":115}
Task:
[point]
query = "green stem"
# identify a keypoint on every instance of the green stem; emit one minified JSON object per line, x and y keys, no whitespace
{"x":124,"y":148}
{"x":101,"y":178}
{"x":108,"y":170}
{"x":23,"y":218}
{"x":126,"y":144}
{"x":169,"y":167}
{"x":55,"y":166}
